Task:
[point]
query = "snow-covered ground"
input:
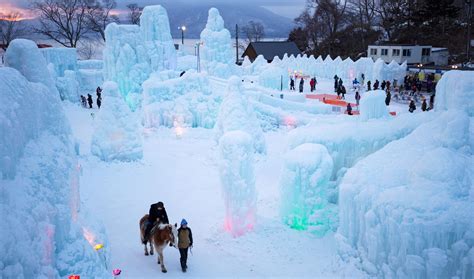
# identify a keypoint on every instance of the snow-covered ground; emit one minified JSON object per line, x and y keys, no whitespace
{"x":183,"y":173}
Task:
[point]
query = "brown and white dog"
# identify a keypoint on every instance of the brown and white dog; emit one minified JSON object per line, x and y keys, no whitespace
{"x":161,"y":235}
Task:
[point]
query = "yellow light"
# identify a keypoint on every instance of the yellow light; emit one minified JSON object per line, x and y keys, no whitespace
{"x":98,"y":247}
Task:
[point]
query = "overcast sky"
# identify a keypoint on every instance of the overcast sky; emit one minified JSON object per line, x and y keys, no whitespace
{"x":287,"y":8}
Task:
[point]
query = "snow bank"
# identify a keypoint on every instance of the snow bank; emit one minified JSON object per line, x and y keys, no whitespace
{"x":406,"y":210}
{"x":216,"y":49}
{"x":117,"y":134}
{"x":238,"y":181}
{"x":236,"y":114}
{"x":185,"y":101}
{"x":372,"y":106}
{"x":62,"y":58}
{"x":41,"y":235}
{"x":25,"y":56}
{"x":304,"y":186}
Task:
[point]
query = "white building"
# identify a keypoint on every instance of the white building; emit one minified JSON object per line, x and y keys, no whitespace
{"x":413,"y":54}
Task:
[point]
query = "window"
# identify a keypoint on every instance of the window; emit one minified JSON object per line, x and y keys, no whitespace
{"x":384,"y":51}
{"x":407,"y":52}
{"x":396,"y":52}
{"x":426,"y":52}
{"x":373,"y":51}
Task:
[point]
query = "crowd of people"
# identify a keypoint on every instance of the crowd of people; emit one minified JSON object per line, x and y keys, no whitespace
{"x":88,"y":101}
{"x":312,"y":83}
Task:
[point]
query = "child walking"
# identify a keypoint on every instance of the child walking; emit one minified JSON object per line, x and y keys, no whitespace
{"x":185,"y":241}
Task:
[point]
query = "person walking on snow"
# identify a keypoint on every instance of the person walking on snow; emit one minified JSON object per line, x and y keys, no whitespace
{"x":89,"y":100}
{"x":158,"y":214}
{"x":336,"y":83}
{"x":185,"y":241}
{"x":311,"y":84}
{"x":349,"y":109}
{"x":83,"y":101}
{"x":357,"y":97}
{"x":382,"y":86}
{"x":343,"y":92}
{"x":424,"y":105}
{"x":301,"y":85}
{"x":388,"y":98}
{"x":292,"y":83}
{"x":368,"y":85}
{"x":412,"y":106}
{"x":376,"y":84}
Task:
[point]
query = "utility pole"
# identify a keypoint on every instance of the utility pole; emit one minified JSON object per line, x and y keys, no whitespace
{"x":469,"y":19}
{"x":236,"y":44}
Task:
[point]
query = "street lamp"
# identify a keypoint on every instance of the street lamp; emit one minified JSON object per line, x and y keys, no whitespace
{"x":182,"y":28}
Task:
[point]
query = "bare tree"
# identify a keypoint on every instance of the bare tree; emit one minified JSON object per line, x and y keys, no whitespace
{"x":99,"y":15}
{"x":254,"y":31}
{"x":64,"y":21}
{"x":134,"y":13}
{"x":87,"y":49}
{"x":11,"y":27}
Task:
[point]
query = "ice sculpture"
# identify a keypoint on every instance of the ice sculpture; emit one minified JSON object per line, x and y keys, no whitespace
{"x":216,"y":47}
{"x":238,"y":181}
{"x":236,"y":114}
{"x":25,"y":56}
{"x":373,"y":106}
{"x":132,"y":52}
{"x":62,"y":58}
{"x":116,"y":130}
{"x":304,"y":186}
{"x":39,"y":177}
{"x":410,"y":215}
{"x":180,"y":102}
{"x":274,"y":78}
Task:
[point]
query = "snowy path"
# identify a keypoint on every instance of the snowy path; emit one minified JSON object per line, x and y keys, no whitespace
{"x":183,"y":174}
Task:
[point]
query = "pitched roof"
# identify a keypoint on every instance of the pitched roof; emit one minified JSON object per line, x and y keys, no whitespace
{"x":271,"y":49}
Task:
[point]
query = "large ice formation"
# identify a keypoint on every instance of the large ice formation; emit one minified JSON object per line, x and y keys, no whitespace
{"x":117,"y":134}
{"x":62,"y":58}
{"x":238,"y":181}
{"x":216,"y":49}
{"x":90,"y":74}
{"x":236,"y":114}
{"x":304,"y":186}
{"x":274,"y":78}
{"x":25,"y":56}
{"x":407,"y":210}
{"x":180,"y":102}
{"x":41,"y":235}
{"x":372,"y":106}
{"x":156,"y":37}
{"x":132,"y":52}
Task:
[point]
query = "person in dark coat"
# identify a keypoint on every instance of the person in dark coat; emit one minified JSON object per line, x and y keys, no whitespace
{"x":357,"y":97}
{"x":89,"y":100}
{"x":376,"y":84}
{"x":301,"y":85}
{"x":339,"y":91}
{"x":343,"y":92}
{"x":158,"y":214}
{"x":98,"y":91}
{"x":412,"y":106}
{"x":382,"y":86}
{"x":368,"y":85}
{"x":349,"y":109}
{"x":388,"y":85}
{"x":424,"y":105}
{"x":185,"y":241}
{"x":83,"y":101}
{"x":388,"y":98}
{"x":340,"y":82}
{"x":292,"y":84}
{"x":336,"y":83}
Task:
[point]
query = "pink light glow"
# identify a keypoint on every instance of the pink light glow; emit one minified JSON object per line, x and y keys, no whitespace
{"x":290,"y":121}
{"x":48,"y":245}
{"x":89,"y":236}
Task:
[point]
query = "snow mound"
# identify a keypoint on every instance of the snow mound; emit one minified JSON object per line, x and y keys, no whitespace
{"x":116,"y":130}
{"x":304,"y":186}
{"x":235,"y":113}
{"x":25,"y":56}
{"x":41,"y":233}
{"x":406,"y":210}
{"x":372,"y":106}
{"x":238,"y":181}
{"x":185,"y":101}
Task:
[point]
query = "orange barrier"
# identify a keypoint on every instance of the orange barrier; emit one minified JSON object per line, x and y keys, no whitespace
{"x":320,"y":97}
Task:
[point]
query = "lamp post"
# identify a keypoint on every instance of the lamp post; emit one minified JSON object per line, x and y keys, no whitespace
{"x":469,"y":19}
{"x":182,"y":28}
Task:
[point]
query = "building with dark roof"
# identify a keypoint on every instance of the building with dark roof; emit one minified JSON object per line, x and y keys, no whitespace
{"x":270,"y":49}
